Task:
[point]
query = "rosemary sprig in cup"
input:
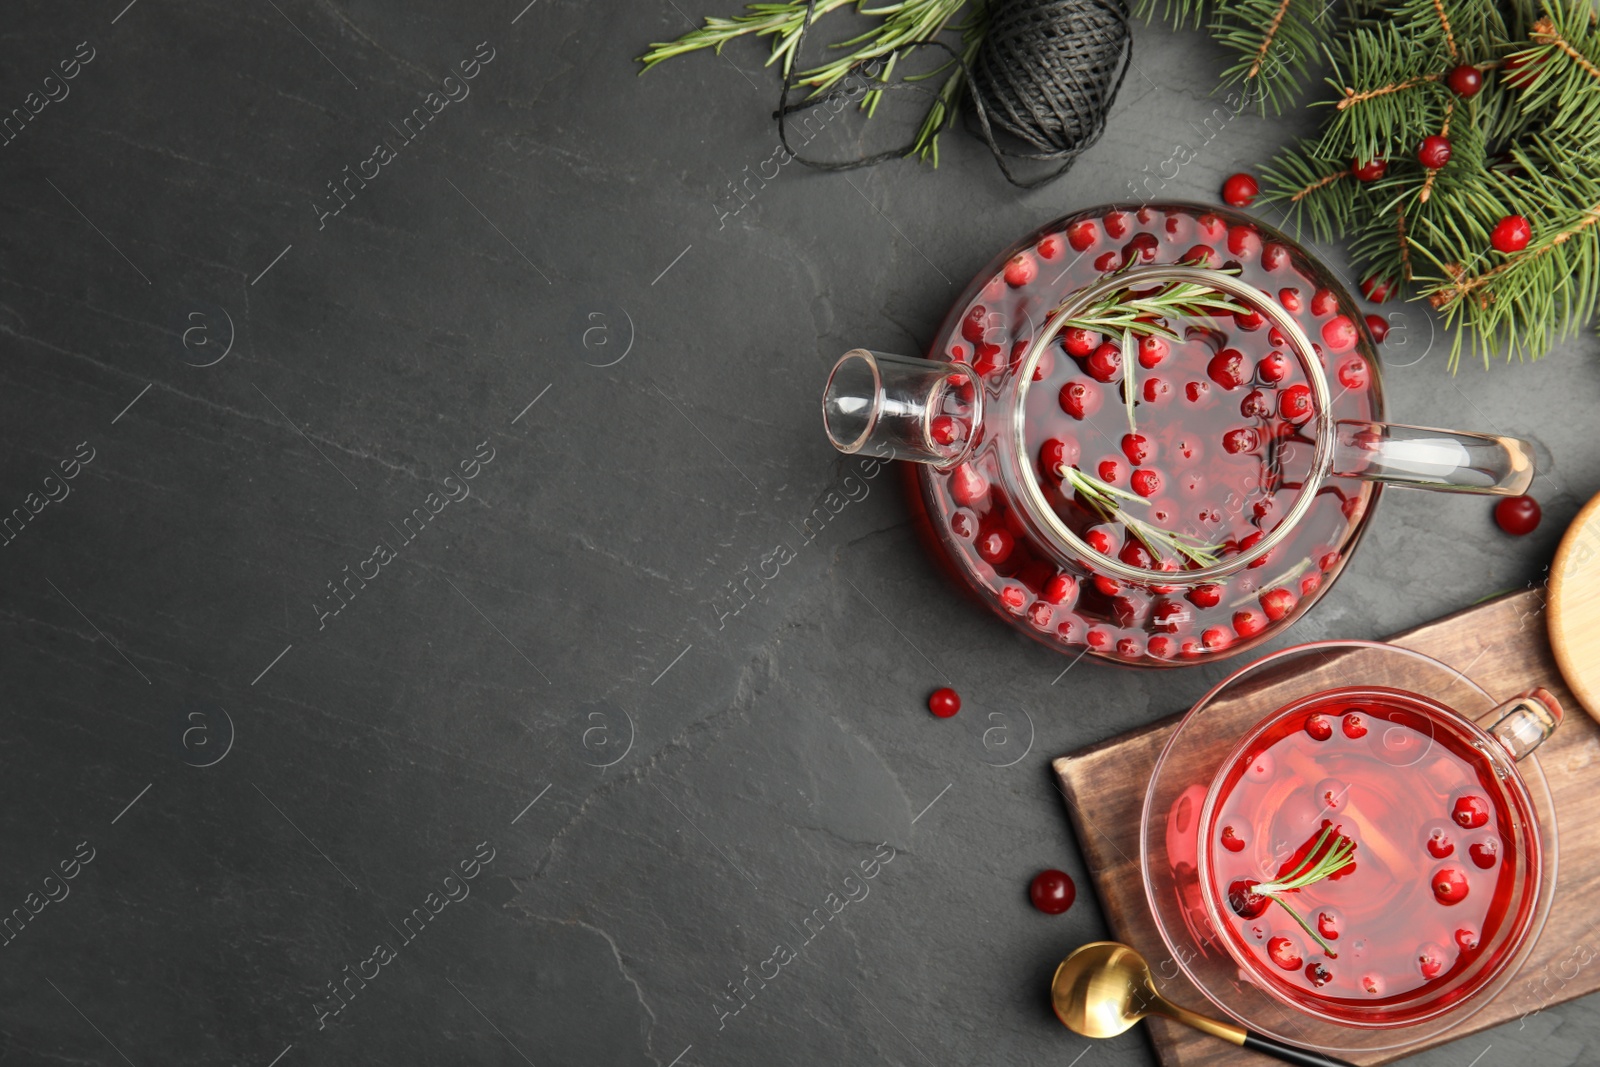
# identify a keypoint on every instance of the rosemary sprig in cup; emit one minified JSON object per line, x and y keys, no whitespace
{"x":1311,"y":870}
{"x":1109,"y":501}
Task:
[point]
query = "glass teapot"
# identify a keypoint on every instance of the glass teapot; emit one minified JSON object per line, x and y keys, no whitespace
{"x":1152,"y":433}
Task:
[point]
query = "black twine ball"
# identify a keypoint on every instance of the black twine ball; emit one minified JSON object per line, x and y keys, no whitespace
{"x":1046,"y":74}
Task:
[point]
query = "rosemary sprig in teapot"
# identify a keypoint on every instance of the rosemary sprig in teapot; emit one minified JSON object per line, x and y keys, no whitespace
{"x":1109,"y":501}
{"x":1145,"y":315}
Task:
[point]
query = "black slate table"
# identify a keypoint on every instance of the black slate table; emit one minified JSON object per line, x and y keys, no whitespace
{"x":376,"y":674}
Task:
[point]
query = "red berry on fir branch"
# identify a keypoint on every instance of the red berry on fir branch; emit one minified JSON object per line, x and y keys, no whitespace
{"x":1370,"y":171}
{"x":1240,"y":190}
{"x":1519,"y":71}
{"x":1511,"y":234}
{"x":1377,"y":289}
{"x":1465,"y":80}
{"x":1434,"y":152}
{"x":1518,"y":515}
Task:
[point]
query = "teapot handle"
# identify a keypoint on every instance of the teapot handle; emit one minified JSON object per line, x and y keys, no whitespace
{"x":1522,"y":723}
{"x":1419,"y":457}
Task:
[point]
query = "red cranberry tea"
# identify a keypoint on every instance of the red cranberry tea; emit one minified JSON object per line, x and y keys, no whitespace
{"x":1365,"y":856}
{"x":1167,"y":454}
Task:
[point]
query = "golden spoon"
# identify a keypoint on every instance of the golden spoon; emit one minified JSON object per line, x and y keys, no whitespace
{"x":1105,"y":987}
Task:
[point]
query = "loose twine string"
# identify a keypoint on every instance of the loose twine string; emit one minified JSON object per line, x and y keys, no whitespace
{"x":1044,"y":77}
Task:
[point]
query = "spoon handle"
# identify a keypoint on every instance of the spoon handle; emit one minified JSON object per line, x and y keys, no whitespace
{"x":1238,"y":1035}
{"x":1289,"y":1053}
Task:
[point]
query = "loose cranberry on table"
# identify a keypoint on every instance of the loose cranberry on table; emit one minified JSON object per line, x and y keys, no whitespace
{"x":1052,"y":891}
{"x":1511,"y":234}
{"x":1240,"y":190}
{"x":944,"y":702}
{"x":1379,"y":327}
{"x":1518,"y":515}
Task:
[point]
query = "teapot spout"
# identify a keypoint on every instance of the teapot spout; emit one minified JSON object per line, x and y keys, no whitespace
{"x":898,"y":407}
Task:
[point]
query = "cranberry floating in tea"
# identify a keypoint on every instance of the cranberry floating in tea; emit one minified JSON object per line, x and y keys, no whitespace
{"x":1154,"y":433}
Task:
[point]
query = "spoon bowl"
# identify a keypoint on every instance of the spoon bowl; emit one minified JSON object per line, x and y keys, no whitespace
{"x":1102,"y":989}
{"x":1105,"y":987}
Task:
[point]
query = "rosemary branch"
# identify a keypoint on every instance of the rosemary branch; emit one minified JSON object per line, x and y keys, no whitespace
{"x":1108,"y":501}
{"x":903,"y":27}
{"x":1130,"y":364}
{"x":1146,"y":314}
{"x":1311,"y":871}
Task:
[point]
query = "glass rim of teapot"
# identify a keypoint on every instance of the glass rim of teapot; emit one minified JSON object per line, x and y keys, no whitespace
{"x":1230,"y":284}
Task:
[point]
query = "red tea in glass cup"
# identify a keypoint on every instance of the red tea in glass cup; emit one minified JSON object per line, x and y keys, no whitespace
{"x":1371,"y":856}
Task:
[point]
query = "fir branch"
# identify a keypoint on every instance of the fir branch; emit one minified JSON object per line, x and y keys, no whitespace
{"x":1402,"y":243}
{"x":1276,"y":41}
{"x":1444,"y":22}
{"x":1327,"y":179}
{"x":1390,"y":84}
{"x":1462,"y":285}
{"x":1179,"y":14}
{"x":1560,"y":73}
{"x":1312,"y":191}
{"x":1530,"y":299}
{"x":1351,"y":97}
{"x":1267,"y":38}
{"x":1432,"y":175}
{"x":1461,"y":27}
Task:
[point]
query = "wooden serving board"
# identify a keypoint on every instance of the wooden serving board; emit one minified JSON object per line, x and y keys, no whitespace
{"x":1503,"y":647}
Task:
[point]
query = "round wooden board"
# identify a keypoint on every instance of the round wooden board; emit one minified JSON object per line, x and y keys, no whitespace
{"x":1575,"y":607}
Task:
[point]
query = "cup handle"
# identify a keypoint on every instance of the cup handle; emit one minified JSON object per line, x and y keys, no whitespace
{"x":1419,"y":457}
{"x":1522,"y":723}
